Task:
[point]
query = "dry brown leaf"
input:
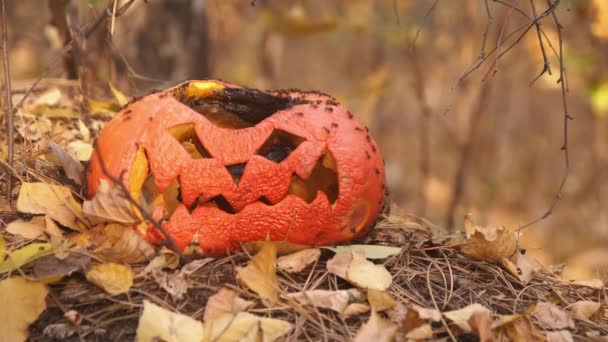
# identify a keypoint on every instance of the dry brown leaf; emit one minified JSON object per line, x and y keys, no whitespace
{"x":584,"y":309}
{"x":53,"y":200}
{"x":521,"y":267}
{"x":427,"y":313}
{"x":165,"y":258}
{"x":380,"y":300}
{"x":551,"y":316}
{"x":283,"y":247}
{"x":110,"y":205}
{"x":398,"y":313}
{"x":158,"y":324}
{"x":422,"y":332}
{"x":481,"y":324}
{"x":177,"y":284}
{"x":488,"y":243}
{"x":355,"y":309}
{"x":365,"y":274}
{"x":521,"y":329}
{"x":225,"y":301}
{"x":73,"y":169}
{"x":22,"y":302}
{"x":32,"y":229}
{"x":112,"y":278}
{"x":334,"y":300}
{"x":559,"y":336}
{"x":81,"y":150}
{"x":370,"y":251}
{"x":245,"y":327}
{"x":50,"y":268}
{"x":595,"y":283}
{"x":260,"y":274}
{"x":339,"y":264}
{"x":298,"y":261}
{"x":376,"y":329}
{"x":115,"y":242}
{"x":461,"y":317}
{"x":52,"y":229}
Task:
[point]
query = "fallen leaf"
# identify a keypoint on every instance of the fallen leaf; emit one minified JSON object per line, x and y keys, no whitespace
{"x":380,"y":300}
{"x":74,"y":317}
{"x":559,"y":336}
{"x":365,"y":274}
{"x":521,"y":329}
{"x":584,"y":309}
{"x":109,"y":205}
{"x":71,"y":166}
{"x":101,"y":107}
{"x":52,"y":229}
{"x":24,"y":255}
{"x":225,"y":301}
{"x":53,"y":200}
{"x":339,"y":264}
{"x":245,"y":327}
{"x":49,"y":268}
{"x":521,"y":267}
{"x":115,"y":242}
{"x":481,"y":324}
{"x":32,"y":229}
{"x":177,"y":284}
{"x":370,"y":251}
{"x":80,"y":150}
{"x":376,"y":329}
{"x":461,"y":317}
{"x":50,"y":97}
{"x":427,"y":313}
{"x":23,"y":301}
{"x":595,"y":283}
{"x":551,"y":316}
{"x":158,"y":324}
{"x":398,"y":313}
{"x":355,"y":309}
{"x":334,"y":300}
{"x":488,"y":243}
{"x":121,"y":98}
{"x":2,"y":248}
{"x":422,"y":332}
{"x":260,"y":274}
{"x":165,"y":258}
{"x":283,"y":247}
{"x":298,"y":261}
{"x":112,"y":278}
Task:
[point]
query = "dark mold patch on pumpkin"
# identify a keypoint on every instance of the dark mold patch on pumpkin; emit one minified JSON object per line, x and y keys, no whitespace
{"x":235,"y":108}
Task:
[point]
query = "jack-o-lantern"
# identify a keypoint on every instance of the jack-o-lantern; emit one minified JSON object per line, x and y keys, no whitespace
{"x":222,"y":164}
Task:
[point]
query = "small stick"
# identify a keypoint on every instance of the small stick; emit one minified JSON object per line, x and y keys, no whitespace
{"x":8,"y":103}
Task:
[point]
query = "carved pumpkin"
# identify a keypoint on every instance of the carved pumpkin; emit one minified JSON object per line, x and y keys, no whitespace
{"x":223,"y":164}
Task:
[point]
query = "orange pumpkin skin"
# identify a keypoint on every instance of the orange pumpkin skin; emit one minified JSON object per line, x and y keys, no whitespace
{"x":263,"y":203}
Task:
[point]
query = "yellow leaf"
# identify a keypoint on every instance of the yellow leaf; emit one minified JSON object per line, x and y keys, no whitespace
{"x":2,"y":248}
{"x":24,"y":255}
{"x":245,"y":327}
{"x":52,"y":111}
{"x":461,"y":317}
{"x":599,"y":100}
{"x":380,"y":300}
{"x":112,"y":278}
{"x":334,"y":300}
{"x":118,"y":95}
{"x":260,"y":274}
{"x":365,"y":274}
{"x":22,"y":302}
{"x":102,"y":107}
{"x":158,"y":324}
{"x":296,"y":22}
{"x":370,"y":251}
{"x":53,"y":200}
{"x":298,"y":261}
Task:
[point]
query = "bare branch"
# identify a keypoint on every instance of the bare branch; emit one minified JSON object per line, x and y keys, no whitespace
{"x":8,"y":102}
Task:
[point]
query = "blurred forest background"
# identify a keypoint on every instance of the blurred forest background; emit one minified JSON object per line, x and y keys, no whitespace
{"x":488,"y":143}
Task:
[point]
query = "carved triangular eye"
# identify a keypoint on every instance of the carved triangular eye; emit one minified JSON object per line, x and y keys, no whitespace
{"x":186,"y":135}
{"x":279,"y":146}
{"x":236,"y":171}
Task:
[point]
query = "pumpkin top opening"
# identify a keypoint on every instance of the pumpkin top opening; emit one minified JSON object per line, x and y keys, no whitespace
{"x":232,"y":108}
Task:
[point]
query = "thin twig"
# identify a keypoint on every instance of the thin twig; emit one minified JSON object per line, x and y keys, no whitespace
{"x":546,"y":66}
{"x":566,"y":118}
{"x":8,"y":102}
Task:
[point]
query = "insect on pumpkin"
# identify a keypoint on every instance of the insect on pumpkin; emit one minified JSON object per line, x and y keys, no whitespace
{"x":223,"y":164}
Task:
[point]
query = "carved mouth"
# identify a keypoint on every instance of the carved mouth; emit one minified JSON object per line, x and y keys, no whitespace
{"x":248,"y":109}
